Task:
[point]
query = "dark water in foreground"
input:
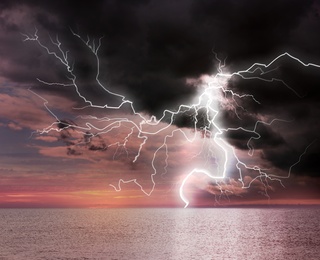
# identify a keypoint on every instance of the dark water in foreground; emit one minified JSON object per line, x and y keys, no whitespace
{"x":287,"y":233}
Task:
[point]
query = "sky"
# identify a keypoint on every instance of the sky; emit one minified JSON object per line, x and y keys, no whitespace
{"x":91,"y":95}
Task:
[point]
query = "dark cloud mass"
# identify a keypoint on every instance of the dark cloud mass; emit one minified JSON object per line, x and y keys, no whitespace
{"x":150,"y":48}
{"x":294,"y":99}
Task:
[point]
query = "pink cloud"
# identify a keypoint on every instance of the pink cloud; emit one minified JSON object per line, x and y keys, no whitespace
{"x":27,"y":110}
{"x":14,"y":126}
{"x":47,"y":138}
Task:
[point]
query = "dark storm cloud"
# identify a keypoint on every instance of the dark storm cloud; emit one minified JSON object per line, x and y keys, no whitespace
{"x":296,"y":102}
{"x":265,"y":137}
{"x":150,"y":48}
{"x":249,"y":29}
{"x":284,"y":157}
{"x":286,"y":82}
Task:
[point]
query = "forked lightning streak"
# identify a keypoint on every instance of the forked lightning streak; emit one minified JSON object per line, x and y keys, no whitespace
{"x":213,"y":92}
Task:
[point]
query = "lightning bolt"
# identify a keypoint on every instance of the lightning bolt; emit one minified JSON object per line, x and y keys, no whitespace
{"x":214,"y":92}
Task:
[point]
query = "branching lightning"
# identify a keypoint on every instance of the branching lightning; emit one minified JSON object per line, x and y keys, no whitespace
{"x":213,"y":92}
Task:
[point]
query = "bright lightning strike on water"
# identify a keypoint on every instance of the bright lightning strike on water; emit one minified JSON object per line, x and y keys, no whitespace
{"x":206,"y":107}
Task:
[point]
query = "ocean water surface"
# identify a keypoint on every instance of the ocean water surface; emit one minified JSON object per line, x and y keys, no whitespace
{"x":278,"y":233}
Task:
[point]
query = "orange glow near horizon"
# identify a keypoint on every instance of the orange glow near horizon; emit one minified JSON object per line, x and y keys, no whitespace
{"x":129,"y":198}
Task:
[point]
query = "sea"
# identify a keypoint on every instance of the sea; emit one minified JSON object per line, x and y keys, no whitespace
{"x":195,"y":233}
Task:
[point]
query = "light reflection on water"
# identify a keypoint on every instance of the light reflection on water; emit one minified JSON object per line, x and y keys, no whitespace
{"x":286,"y":233}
